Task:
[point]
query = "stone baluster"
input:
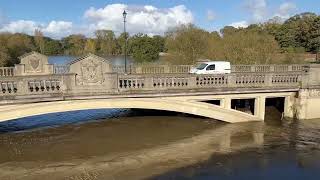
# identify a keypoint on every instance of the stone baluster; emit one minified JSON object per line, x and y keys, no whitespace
{"x":268,"y":79}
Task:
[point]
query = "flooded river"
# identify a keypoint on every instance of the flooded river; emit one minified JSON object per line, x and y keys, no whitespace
{"x":126,"y":144}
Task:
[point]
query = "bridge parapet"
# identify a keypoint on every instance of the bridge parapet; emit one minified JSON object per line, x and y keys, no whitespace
{"x":32,"y":85}
{"x":166,"y":69}
{"x":6,"y":71}
{"x":113,"y":83}
{"x":183,"y":81}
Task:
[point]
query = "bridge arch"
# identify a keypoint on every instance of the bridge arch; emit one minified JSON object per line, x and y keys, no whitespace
{"x":11,"y":112}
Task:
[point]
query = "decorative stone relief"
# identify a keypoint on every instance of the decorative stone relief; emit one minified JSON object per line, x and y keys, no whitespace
{"x":34,"y":65}
{"x":91,"y":73}
{"x":314,"y":92}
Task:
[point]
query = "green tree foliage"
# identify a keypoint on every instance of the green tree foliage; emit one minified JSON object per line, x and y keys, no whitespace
{"x":4,"y":56}
{"x":187,"y":43}
{"x":17,"y":45}
{"x":52,"y":47}
{"x":107,"y":44}
{"x":74,"y":44}
{"x":299,"y":32}
{"x":121,"y":40}
{"x":144,"y":48}
{"x":160,"y":43}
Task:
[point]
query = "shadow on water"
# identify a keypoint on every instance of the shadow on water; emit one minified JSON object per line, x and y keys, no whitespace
{"x":79,"y":117}
{"x":60,"y":119}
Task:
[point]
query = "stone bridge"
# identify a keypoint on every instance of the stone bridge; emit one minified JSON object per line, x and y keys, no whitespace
{"x":35,"y":87}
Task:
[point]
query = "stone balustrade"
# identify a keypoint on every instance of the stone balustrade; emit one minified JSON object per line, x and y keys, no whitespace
{"x":141,"y":83}
{"x":182,"y":81}
{"x":6,"y":71}
{"x":153,"y":69}
{"x":30,"y":85}
{"x":61,"y":69}
{"x":160,"y":69}
{"x":174,"y":69}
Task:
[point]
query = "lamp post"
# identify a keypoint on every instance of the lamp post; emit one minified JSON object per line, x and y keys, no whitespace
{"x":125,"y":37}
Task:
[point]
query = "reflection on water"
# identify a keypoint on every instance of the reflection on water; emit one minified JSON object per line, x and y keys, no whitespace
{"x":156,"y":145}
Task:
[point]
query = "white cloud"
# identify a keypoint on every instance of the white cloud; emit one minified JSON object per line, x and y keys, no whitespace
{"x":58,"y":28}
{"x":211,"y":15}
{"x":55,"y":29}
{"x":286,"y":9}
{"x":20,"y":26}
{"x":140,"y":19}
{"x":240,"y":24}
{"x":258,"y":9}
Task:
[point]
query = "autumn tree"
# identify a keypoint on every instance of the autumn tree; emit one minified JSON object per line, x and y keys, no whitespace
{"x":107,"y":43}
{"x":39,"y":40}
{"x":74,"y":44}
{"x":249,"y":47}
{"x":90,"y":46}
{"x":4,"y":56}
{"x":17,"y":45}
{"x":186,"y":44}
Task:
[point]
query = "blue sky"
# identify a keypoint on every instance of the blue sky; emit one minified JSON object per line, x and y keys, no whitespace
{"x":57,"y":18}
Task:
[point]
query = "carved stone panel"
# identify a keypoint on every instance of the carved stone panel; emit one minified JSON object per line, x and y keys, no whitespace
{"x":34,"y":63}
{"x":91,"y":73}
{"x":89,"y":70}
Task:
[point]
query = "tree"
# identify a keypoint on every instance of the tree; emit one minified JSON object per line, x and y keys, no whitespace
{"x":144,"y":48}
{"x":314,"y":43}
{"x":296,"y":32}
{"x":249,"y":47}
{"x":52,"y":47}
{"x":74,"y":44}
{"x":121,"y":40}
{"x":186,"y":44}
{"x":90,"y":46}
{"x":4,"y":56}
{"x":160,"y":43}
{"x":107,"y":43}
{"x":228,"y":30}
{"x":39,"y":41}
{"x":17,"y":45}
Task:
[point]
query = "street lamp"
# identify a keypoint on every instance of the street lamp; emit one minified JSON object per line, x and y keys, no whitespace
{"x":125,"y":37}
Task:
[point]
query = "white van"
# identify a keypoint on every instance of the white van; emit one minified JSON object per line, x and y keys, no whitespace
{"x":212,"y":67}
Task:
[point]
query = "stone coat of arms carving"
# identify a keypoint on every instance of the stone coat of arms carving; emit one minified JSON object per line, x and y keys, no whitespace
{"x":34,"y":64}
{"x":91,"y":73}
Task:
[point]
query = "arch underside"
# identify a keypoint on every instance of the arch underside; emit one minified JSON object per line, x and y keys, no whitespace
{"x":11,"y":112}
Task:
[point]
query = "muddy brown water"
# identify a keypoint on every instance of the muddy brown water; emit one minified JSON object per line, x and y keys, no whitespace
{"x":125,"y":144}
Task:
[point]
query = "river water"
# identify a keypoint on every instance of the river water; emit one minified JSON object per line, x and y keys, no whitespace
{"x":156,"y":145}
